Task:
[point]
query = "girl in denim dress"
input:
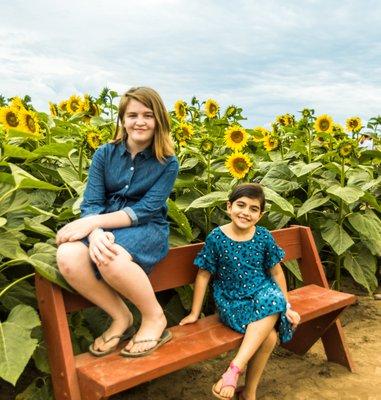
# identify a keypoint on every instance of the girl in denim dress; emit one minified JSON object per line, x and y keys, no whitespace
{"x":249,"y":289}
{"x":123,"y":232}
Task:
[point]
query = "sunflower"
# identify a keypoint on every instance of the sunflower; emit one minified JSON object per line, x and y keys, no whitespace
{"x":181,"y":109}
{"x":94,"y":139}
{"x":183,"y":133}
{"x":85,"y":104}
{"x":17,"y":103}
{"x":74,"y":104}
{"x":93,"y":110}
{"x":324,"y":123}
{"x":207,"y":146}
{"x":53,"y":109}
{"x":347,"y":148}
{"x":306,"y":112}
{"x":285,"y":120}
{"x":8,"y":117}
{"x":270,"y":142}
{"x":63,"y":105}
{"x":259,"y":133}
{"x":230,"y":111}
{"x":29,"y":122}
{"x":211,"y":108}
{"x":353,"y":124}
{"x":238,"y":164}
{"x":236,"y":137}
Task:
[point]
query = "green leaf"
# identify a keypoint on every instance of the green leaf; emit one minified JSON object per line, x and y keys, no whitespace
{"x":366,"y":225}
{"x":15,"y":133}
{"x":184,"y":180}
{"x":33,"y":224}
{"x":293,"y":267}
{"x":181,"y":220}
{"x":16,"y":345}
{"x":348,"y":194}
{"x":54,"y":149}
{"x":300,"y":168}
{"x":361,"y":264}
{"x":13,"y":151}
{"x":3,"y":221}
{"x":39,"y":389}
{"x":16,"y":200}
{"x":312,"y":203}
{"x":209,"y":200}
{"x":189,"y":163}
{"x":280,"y":179}
{"x":70,"y":177}
{"x":336,"y":236}
{"x":43,"y":259}
{"x":186,"y":296}
{"x":25,"y":180}
{"x":10,"y":247}
{"x":24,"y":316}
{"x":281,"y":202}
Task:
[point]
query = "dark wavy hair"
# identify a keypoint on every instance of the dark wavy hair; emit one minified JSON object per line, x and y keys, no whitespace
{"x":250,"y":190}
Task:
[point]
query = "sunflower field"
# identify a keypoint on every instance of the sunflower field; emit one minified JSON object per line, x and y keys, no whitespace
{"x":314,"y":172}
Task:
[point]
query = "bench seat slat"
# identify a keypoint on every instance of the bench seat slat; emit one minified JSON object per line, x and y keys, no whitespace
{"x":192,"y":343}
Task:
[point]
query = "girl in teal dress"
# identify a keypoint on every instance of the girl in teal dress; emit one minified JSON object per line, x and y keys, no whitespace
{"x":249,"y":289}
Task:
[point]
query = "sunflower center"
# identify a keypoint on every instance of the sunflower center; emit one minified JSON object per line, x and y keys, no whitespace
{"x":12,"y":119}
{"x":236,"y":136}
{"x":324,"y":124}
{"x":182,"y":110}
{"x":74,"y":105}
{"x":212,"y":108}
{"x":30,"y":123}
{"x":240,"y":164}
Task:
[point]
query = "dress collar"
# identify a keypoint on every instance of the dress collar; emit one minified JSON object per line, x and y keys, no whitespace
{"x":146,"y":153}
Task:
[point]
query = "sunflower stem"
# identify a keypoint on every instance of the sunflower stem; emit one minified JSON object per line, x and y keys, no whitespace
{"x":80,"y":162}
{"x":341,"y":204}
{"x":16,"y":282}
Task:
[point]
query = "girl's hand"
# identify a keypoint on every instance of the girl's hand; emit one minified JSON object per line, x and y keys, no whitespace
{"x":75,"y":230}
{"x":102,"y":249}
{"x":293,"y":317}
{"x":189,"y":319}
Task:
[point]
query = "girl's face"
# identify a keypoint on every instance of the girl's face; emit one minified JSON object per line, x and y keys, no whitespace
{"x":139,"y":122}
{"x":244,"y":212}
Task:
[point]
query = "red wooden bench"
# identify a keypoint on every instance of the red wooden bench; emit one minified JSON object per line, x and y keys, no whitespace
{"x":90,"y":378}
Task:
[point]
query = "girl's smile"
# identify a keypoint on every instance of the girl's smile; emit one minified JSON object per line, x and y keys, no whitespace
{"x":244,"y":213}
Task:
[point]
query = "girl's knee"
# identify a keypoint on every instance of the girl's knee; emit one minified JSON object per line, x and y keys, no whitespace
{"x":68,"y":258}
{"x":270,"y":342}
{"x":116,"y":268}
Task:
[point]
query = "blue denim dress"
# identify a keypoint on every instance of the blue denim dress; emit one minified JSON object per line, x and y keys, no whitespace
{"x":138,"y":186}
{"x":243,"y":288}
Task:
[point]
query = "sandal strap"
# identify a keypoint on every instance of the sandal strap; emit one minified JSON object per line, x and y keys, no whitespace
{"x":147,"y":340}
{"x":111,"y":338}
{"x":230,"y":377}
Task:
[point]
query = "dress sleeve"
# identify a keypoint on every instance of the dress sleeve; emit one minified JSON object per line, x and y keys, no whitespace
{"x":155,"y":198}
{"x":273,"y":253}
{"x":94,"y":198}
{"x":207,"y":258}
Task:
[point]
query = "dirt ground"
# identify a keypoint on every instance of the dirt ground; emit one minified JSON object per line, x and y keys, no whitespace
{"x":292,"y":377}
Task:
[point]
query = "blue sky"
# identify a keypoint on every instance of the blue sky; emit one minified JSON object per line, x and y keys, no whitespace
{"x":267,"y":57}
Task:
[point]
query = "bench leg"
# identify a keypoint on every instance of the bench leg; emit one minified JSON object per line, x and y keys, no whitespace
{"x":327,"y":328}
{"x":335,"y":346}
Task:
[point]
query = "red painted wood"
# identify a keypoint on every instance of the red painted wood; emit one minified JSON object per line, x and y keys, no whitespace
{"x":101,"y":377}
{"x":57,"y":337}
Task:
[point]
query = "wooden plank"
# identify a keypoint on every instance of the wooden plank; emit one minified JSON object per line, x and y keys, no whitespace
{"x":202,"y":340}
{"x":57,"y":337}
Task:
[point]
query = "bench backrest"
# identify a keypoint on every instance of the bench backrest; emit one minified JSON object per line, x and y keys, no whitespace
{"x":177,"y":268}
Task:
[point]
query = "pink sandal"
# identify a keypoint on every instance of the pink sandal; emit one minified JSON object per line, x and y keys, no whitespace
{"x":229,"y":378}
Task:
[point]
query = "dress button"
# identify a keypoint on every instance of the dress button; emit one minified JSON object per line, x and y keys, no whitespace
{"x":132,"y":168}
{"x":126,"y":186}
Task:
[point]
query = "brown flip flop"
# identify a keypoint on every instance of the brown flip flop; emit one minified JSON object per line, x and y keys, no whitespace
{"x":125,"y":336}
{"x":165,"y":337}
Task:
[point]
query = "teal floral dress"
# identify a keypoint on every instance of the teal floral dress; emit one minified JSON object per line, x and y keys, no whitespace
{"x":243,"y":288}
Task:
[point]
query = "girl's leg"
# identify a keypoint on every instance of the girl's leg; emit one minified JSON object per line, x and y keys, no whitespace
{"x":256,"y":333}
{"x":75,"y":265}
{"x":129,"y":279}
{"x":257,"y":364}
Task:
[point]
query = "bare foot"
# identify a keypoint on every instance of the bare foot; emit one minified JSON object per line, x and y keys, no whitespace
{"x":150,"y":328}
{"x":117,"y":328}
{"x":226,"y":386}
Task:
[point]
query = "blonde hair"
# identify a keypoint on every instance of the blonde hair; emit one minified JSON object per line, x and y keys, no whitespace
{"x":162,"y":146}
